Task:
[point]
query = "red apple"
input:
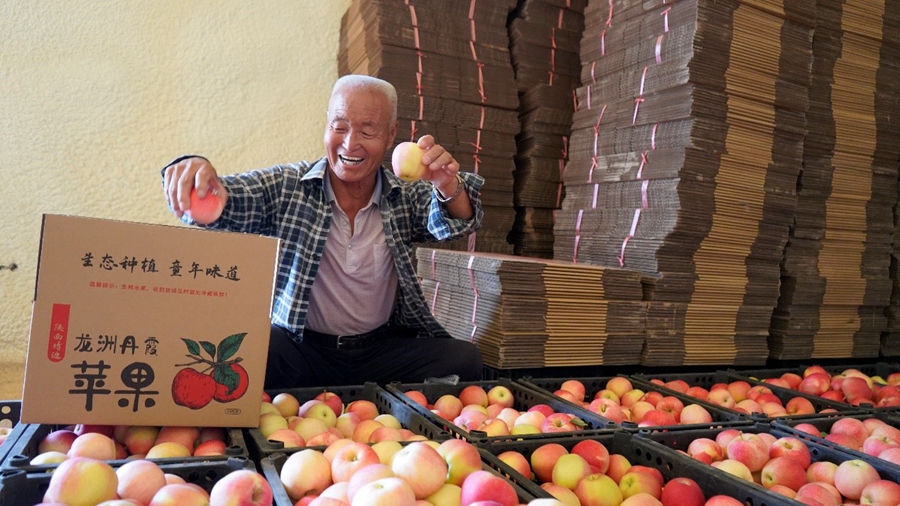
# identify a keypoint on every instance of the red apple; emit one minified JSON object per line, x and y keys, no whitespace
{"x":350,"y":458}
{"x":421,"y":466}
{"x":543,"y":458}
{"x":473,"y":394}
{"x":462,"y":459}
{"x":486,"y":486}
{"x":783,"y":471}
{"x":881,"y":493}
{"x":594,"y":453}
{"x":682,"y":491}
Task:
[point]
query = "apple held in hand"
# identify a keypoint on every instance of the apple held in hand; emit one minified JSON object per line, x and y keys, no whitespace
{"x":407,"y":161}
{"x":206,"y":210}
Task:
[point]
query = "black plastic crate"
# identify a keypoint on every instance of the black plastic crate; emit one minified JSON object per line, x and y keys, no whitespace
{"x":25,"y":448}
{"x":883,"y":369}
{"x":386,"y":403}
{"x":524,"y":398}
{"x":680,"y":441}
{"x":824,"y":425}
{"x":707,"y":380}
{"x":9,"y":420}
{"x":271,"y":467}
{"x":721,"y":417}
{"x":641,"y":451}
{"x":21,"y":488}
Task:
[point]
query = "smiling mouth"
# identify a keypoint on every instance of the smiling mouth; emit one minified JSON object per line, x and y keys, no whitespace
{"x":349,"y":160}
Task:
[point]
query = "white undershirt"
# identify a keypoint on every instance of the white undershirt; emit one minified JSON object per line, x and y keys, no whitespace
{"x":356,"y":284}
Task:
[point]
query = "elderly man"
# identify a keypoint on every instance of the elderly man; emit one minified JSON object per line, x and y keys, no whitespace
{"x":348,"y":307}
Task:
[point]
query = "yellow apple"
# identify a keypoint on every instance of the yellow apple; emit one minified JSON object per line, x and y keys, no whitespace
{"x":407,"y":161}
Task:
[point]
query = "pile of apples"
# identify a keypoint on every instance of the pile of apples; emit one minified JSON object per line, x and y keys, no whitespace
{"x":784,"y":465}
{"x":108,"y":442}
{"x":851,"y":386}
{"x":83,"y":481}
{"x":491,"y":411}
{"x":620,"y":401}
{"x":871,"y":436}
{"x":352,"y":473}
{"x":589,"y":475}
{"x":741,"y":396}
{"x":324,"y":419}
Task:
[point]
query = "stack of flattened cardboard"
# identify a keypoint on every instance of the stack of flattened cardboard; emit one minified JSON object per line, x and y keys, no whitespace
{"x":451,"y":66}
{"x":837,"y":281}
{"x":683,"y":163}
{"x":528,"y":312}
{"x":545,"y":36}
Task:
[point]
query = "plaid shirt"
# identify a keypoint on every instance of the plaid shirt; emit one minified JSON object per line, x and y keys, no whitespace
{"x":289,"y":202}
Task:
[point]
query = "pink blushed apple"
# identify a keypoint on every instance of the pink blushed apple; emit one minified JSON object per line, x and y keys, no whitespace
{"x":852,"y":476}
{"x":544,"y":457}
{"x":501,"y":395}
{"x":599,"y":490}
{"x":241,"y":488}
{"x":367,"y":475}
{"x":82,"y":481}
{"x":722,"y":500}
{"x":332,"y":399}
{"x":783,"y":471}
{"x":792,"y":448}
{"x":305,"y":472}
{"x":569,"y":470}
{"x":473,"y":394}
{"x":750,"y":450}
{"x":881,"y":493}
{"x":695,"y":414}
{"x":385,"y":492}
{"x":620,"y":385}
{"x":735,"y":468}
{"x":818,"y":493}
{"x":462,"y":459}
{"x":140,"y":480}
{"x":821,"y":471}
{"x":350,"y":458}
{"x":421,"y":466}
{"x":517,"y":462}
{"x":486,"y":486}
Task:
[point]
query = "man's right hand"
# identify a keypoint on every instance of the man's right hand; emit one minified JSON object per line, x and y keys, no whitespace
{"x":182,"y":177}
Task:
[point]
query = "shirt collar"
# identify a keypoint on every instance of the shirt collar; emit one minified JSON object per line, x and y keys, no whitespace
{"x":318,"y":171}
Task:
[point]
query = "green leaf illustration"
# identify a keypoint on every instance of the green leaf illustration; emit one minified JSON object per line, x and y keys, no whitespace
{"x":210,"y":348}
{"x":230,"y":345}
{"x":192,"y":347}
{"x":225,"y":375}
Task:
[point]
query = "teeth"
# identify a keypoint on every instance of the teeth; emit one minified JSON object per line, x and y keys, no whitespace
{"x":350,"y":160}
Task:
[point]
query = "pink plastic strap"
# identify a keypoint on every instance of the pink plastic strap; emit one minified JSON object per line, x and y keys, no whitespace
{"x":645,"y":202}
{"x":665,"y":15}
{"x":640,"y":171}
{"x":437,"y":285}
{"x":658,"y":49}
{"x":639,"y":98}
{"x":421,"y":107}
{"x":596,"y":192}
{"x":472,"y":28}
{"x":609,"y":19}
{"x":475,"y":303}
{"x":471,"y":244}
{"x":589,"y":96}
{"x":653,"y":137}
{"x":602,"y":48}
{"x":577,"y":235}
{"x":574,"y":101}
{"x":559,"y":23}
{"x":559,"y":190}
{"x":634,"y":223}
{"x":412,"y":130}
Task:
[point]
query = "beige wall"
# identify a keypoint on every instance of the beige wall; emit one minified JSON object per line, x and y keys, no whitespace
{"x":97,"y":95}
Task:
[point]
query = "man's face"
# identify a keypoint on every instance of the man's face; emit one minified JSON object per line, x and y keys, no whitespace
{"x":358,"y":133}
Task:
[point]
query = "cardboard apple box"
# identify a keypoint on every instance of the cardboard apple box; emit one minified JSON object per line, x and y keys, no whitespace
{"x":139,"y":324}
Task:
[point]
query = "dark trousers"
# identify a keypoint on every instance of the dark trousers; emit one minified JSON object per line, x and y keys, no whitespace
{"x":404,"y":359}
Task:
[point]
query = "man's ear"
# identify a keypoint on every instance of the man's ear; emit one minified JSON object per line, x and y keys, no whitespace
{"x":394,"y":128}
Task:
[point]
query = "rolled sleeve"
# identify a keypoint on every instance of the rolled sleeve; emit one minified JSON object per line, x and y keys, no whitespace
{"x":444,"y":227}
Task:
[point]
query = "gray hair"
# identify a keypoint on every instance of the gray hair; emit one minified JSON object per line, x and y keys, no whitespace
{"x":363,"y":82}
